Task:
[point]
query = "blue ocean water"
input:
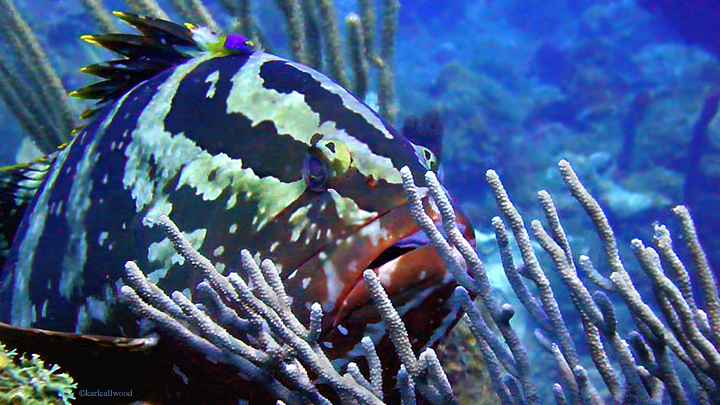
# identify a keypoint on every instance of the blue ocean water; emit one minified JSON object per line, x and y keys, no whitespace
{"x":616,"y":87}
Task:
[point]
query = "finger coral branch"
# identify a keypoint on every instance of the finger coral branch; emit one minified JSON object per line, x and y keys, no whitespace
{"x":331,"y":40}
{"x":273,"y":341}
{"x":358,"y":58}
{"x":398,"y":334}
{"x":386,"y":88}
{"x":147,"y":7}
{"x":100,"y":14}
{"x":42,"y":78}
{"x":707,"y":281}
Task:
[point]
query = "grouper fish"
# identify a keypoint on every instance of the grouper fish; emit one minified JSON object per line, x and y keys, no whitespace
{"x":242,"y":150}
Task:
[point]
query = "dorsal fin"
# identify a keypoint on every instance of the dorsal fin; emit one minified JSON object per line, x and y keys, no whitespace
{"x":162,"y":45}
{"x":18,"y":185}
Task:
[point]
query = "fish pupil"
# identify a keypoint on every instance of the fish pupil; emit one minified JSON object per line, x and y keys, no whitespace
{"x":314,"y":172}
{"x":315,"y":167}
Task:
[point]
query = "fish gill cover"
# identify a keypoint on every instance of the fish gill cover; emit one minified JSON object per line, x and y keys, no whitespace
{"x":623,"y":89}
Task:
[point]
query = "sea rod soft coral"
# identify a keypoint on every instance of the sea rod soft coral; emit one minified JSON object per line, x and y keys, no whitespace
{"x":640,"y":367}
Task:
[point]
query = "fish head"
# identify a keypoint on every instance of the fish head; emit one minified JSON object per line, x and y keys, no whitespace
{"x":355,"y":216}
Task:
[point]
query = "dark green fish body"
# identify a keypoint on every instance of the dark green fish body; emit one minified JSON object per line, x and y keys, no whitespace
{"x":241,"y":149}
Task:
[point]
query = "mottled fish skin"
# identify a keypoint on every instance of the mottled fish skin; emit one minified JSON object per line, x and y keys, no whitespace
{"x":218,"y":143}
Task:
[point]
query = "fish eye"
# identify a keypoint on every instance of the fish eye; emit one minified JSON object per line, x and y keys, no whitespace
{"x":428,"y":158}
{"x":314,"y":172}
{"x":325,"y":164}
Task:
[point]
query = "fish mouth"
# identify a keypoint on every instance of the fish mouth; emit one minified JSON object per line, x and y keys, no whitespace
{"x":395,"y":251}
{"x":391,"y":256}
{"x":411,"y":263}
{"x":407,"y":264}
{"x":392,"y":245}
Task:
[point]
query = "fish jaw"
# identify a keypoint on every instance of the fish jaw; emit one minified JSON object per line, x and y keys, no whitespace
{"x":419,"y":286}
{"x":410,"y":269}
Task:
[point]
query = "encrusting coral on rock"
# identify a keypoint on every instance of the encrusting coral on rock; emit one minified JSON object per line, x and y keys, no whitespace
{"x":28,"y":381}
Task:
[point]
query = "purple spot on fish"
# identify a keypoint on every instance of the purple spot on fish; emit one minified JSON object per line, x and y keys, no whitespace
{"x":238,"y":43}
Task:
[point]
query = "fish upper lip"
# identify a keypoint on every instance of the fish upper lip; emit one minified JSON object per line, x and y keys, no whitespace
{"x":403,"y":246}
{"x":399,"y":248}
{"x":408,"y":244}
{"x":334,"y":271}
{"x":404,"y":206}
{"x":395,"y":224}
{"x":419,"y":253}
{"x":377,"y":218}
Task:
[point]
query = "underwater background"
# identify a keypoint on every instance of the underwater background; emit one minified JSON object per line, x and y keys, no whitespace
{"x":624,"y":90}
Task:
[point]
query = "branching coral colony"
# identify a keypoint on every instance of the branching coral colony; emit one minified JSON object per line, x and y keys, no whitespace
{"x":283,"y":348}
{"x":645,"y":358}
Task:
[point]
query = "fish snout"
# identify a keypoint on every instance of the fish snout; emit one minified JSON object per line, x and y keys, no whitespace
{"x":416,"y":279}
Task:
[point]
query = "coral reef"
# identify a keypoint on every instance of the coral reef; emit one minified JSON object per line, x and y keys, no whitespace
{"x":586,"y":83}
{"x":645,"y":357}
